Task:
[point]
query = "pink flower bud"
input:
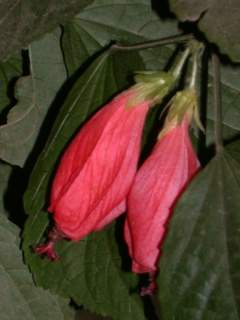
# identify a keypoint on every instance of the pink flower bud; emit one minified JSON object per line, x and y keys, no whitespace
{"x":97,"y":169}
{"x":157,"y":185}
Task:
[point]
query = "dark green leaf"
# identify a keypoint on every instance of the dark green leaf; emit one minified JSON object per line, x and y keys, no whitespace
{"x":230,"y":104}
{"x":35,"y":94}
{"x":229,"y":134}
{"x":68,"y":311}
{"x":89,"y":271}
{"x":5,"y":172}
{"x":20,"y":299}
{"x":199,"y":268}
{"x":230,"y":97}
{"x":9,"y":71}
{"x":131,"y":22}
{"x":127,"y":21}
{"x":86,"y":315}
{"x":218,"y":19}
{"x":23,"y":21}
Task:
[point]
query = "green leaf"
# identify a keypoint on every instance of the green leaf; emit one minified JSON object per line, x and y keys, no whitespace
{"x":20,"y":299}
{"x":230,"y":97}
{"x":230,"y":91}
{"x":35,"y":94}
{"x":68,"y":311}
{"x":23,"y":21}
{"x":5,"y":172}
{"x":89,"y":271}
{"x":228,"y":133}
{"x":199,"y":267}
{"x":127,"y":21}
{"x":218,"y":19}
{"x":86,"y":315}
{"x":9,"y":71}
{"x":131,"y":22}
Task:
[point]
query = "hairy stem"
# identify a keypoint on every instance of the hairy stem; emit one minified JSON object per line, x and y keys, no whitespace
{"x":217,"y":103}
{"x":153,"y":43}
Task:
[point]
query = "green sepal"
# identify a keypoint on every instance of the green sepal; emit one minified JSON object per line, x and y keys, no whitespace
{"x":151,"y":86}
{"x":150,"y":76}
{"x":184,"y":102}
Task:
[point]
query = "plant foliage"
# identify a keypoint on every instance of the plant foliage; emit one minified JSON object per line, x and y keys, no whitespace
{"x":59,"y":65}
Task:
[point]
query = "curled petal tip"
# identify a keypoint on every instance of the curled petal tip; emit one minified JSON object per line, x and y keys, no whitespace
{"x":47,"y":250}
{"x":149,"y":290}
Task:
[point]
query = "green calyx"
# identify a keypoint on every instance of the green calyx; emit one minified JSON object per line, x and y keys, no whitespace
{"x":184,"y":103}
{"x":151,"y":86}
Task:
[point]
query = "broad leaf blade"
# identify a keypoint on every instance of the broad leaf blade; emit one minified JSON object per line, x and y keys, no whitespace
{"x":218,"y":19}
{"x":35,"y":94}
{"x":230,"y":96}
{"x":131,"y":22}
{"x":127,"y":21}
{"x":230,"y":90}
{"x":73,"y":275}
{"x":9,"y":71}
{"x":90,"y":273}
{"x":5,"y":173}
{"x":199,"y":268}
{"x":20,"y":299}
{"x":23,"y":21}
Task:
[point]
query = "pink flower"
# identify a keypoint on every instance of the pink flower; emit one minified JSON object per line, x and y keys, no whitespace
{"x":157,"y":185}
{"x":97,"y":169}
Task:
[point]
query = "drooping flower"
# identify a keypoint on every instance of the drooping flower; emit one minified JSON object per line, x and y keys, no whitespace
{"x":96,"y":171}
{"x":158,"y":184}
{"x":98,"y":167}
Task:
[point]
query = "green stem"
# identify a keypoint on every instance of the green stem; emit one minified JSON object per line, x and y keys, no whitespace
{"x":153,"y":43}
{"x":217,"y":103}
{"x":178,"y":65}
{"x":193,"y":78}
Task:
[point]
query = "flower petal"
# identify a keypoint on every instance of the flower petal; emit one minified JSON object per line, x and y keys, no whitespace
{"x":157,"y":186}
{"x":97,"y":169}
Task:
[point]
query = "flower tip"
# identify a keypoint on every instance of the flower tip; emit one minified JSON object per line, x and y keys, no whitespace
{"x":149,"y":290}
{"x":47,"y":250}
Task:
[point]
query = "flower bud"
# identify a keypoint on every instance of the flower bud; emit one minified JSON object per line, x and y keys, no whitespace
{"x":98,"y":167}
{"x":157,"y":186}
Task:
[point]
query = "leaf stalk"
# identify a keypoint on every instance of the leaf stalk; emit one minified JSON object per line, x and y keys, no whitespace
{"x":152,"y":43}
{"x":217,"y":103}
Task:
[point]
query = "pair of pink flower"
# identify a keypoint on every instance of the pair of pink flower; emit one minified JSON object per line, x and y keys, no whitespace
{"x":97,"y":179}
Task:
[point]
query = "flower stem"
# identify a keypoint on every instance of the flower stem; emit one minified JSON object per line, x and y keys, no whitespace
{"x":153,"y":43}
{"x":178,"y":65}
{"x":193,"y":78}
{"x":217,"y":103}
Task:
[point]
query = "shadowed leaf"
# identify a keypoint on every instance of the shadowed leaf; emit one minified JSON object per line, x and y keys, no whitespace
{"x":22,"y":21}
{"x":199,"y":267}
{"x":34,"y":94}
{"x":20,"y":299}
{"x":9,"y":71}
{"x":127,"y":21}
{"x":218,"y":19}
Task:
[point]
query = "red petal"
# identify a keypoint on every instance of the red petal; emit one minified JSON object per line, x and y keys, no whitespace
{"x":97,"y":169}
{"x":157,"y":186}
